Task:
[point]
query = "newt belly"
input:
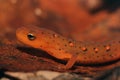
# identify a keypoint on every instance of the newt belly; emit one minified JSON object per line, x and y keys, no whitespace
{"x":68,"y":49}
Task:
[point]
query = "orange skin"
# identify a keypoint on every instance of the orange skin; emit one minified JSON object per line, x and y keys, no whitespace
{"x":67,"y":49}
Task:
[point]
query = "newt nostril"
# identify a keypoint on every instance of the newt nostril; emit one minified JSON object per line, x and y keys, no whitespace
{"x":31,"y":36}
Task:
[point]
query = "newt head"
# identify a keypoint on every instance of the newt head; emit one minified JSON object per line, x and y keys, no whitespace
{"x":32,"y":36}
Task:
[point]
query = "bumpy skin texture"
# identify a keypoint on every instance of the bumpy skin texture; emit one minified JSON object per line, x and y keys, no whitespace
{"x":63,"y":48}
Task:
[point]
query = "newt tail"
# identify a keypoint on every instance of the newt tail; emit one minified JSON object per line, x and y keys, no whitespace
{"x":67,"y":49}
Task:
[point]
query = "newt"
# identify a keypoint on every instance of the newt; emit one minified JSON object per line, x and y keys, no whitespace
{"x":69,"y":50}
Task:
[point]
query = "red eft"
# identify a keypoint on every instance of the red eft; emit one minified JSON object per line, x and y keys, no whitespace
{"x":67,"y":49}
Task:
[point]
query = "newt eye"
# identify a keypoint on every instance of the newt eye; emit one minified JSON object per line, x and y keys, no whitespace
{"x":31,"y":36}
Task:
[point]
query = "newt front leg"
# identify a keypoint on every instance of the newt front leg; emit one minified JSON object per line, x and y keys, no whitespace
{"x":70,"y":62}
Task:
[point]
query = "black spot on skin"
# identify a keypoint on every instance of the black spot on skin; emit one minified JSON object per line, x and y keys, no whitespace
{"x":42,"y":32}
{"x":104,"y":58}
{"x":85,"y":58}
{"x":47,"y":42}
{"x":111,"y":55}
{"x":107,"y":50}
{"x":95,"y":50}
{"x":98,"y":56}
{"x":53,"y":40}
{"x":60,"y":49}
{"x":65,"y":45}
{"x":70,"y":42}
{"x":104,"y":45}
{"x":75,"y":46}
{"x":86,"y":50}
{"x":58,"y":43}
{"x":110,"y":44}
{"x":92,"y":54}
{"x":48,"y":33}
{"x":77,"y":53}
{"x":118,"y":41}
{"x":66,"y":51}
{"x":50,"y":37}
{"x":63,"y":39}
{"x":40,"y":45}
